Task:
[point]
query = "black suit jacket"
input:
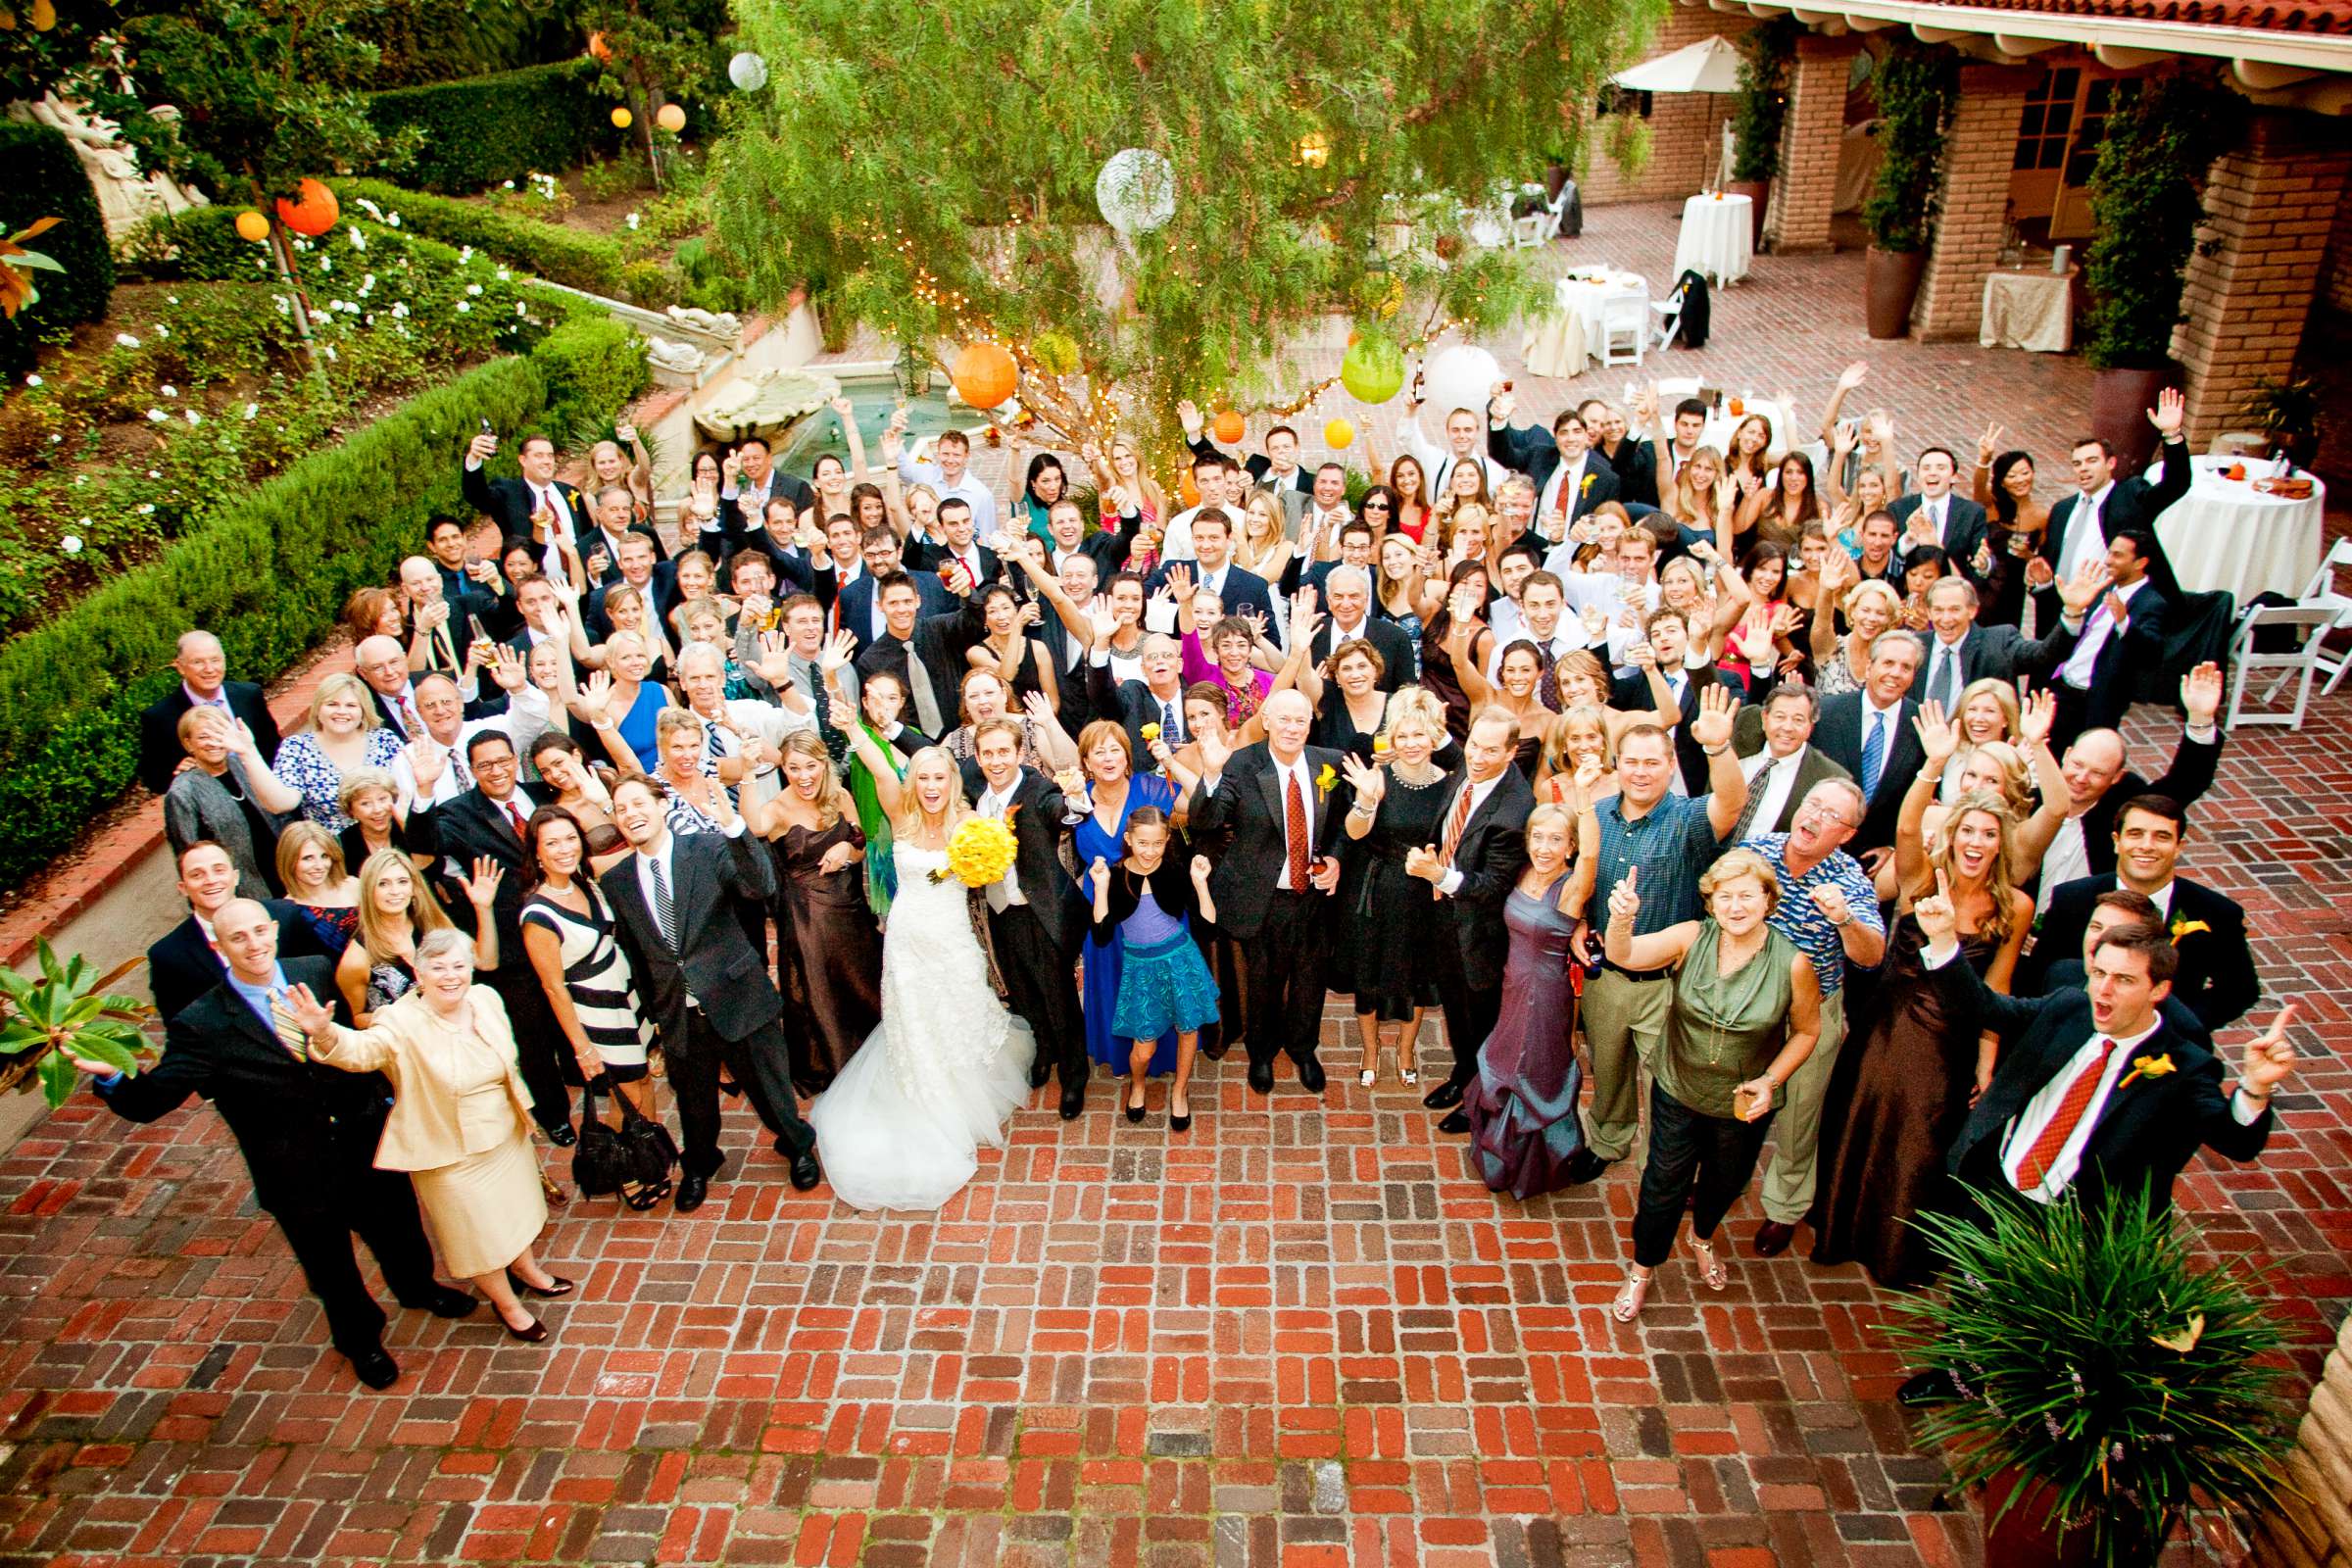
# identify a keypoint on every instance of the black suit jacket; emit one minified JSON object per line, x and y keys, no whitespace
{"x":182,"y":966}
{"x":1387,"y":639}
{"x":159,"y":751}
{"x":940,"y":642}
{"x":1814,"y":767}
{"x":2216,"y":980}
{"x":468,"y":826}
{"x":1839,"y":734}
{"x":1132,"y":703}
{"x":854,"y":607}
{"x":664,"y":588}
{"x":2190,"y":775}
{"x":2124,"y":658}
{"x":2132,"y":503}
{"x":2071,"y":975}
{"x":1963,"y":530}
{"x":1037,"y":832}
{"x":1999,"y":652}
{"x":713,"y":960}
{"x":1256,"y":464}
{"x":1492,"y":850}
{"x":1248,"y":803}
{"x":923,"y":554}
{"x":1630,"y":693}
{"x":508,"y":502}
{"x":1242,"y":589}
{"x":2147,"y":1131}
{"x":1532,"y":451}
{"x":1635,"y":464}
{"x":464,"y":609}
{"x":301,"y":1125}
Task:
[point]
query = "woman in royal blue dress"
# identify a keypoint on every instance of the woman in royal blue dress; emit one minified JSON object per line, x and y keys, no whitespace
{"x":1114,"y":791}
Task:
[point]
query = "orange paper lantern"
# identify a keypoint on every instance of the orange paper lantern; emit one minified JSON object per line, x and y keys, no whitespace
{"x":985,"y":376}
{"x":670,"y":118}
{"x":621,"y":117}
{"x":1337,"y":434}
{"x":1186,"y":490}
{"x":1230,"y":427}
{"x":252,"y":226}
{"x":313,"y":213}
{"x":598,"y":47}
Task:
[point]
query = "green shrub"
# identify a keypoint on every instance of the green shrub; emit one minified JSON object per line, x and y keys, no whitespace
{"x":199,"y":245}
{"x":482,"y":130}
{"x":45,"y":180}
{"x":554,"y":252}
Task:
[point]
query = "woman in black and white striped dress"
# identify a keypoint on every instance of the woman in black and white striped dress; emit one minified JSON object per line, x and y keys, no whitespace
{"x":567,"y":931}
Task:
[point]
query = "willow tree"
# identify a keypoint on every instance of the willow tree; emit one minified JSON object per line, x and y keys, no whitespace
{"x":931,"y":169}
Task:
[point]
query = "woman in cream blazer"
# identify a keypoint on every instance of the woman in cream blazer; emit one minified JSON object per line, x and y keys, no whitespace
{"x":460,"y":1122}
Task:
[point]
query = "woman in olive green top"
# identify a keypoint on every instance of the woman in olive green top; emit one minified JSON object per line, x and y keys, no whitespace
{"x":1746,"y":1012}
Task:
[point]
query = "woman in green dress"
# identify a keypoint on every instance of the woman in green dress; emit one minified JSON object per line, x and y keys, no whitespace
{"x":1745,"y":1014}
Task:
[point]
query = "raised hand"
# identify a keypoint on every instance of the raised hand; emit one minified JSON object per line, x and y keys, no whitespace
{"x":593,"y":702}
{"x":1937,"y":920}
{"x":624,"y":432}
{"x":1179,"y":581}
{"x":1841,"y":438}
{"x":1624,"y":901}
{"x":2167,"y":413}
{"x":2040,"y":573}
{"x":2268,"y":1058}
{"x":730,"y":467}
{"x":508,"y":668}
{"x":2035,"y":717}
{"x":1214,"y":751}
{"x":1201,"y":871}
{"x":1100,"y":874}
{"x":1586,"y":781}
{"x":1500,"y":402}
{"x":1188,"y":413}
{"x":428,"y":759}
{"x":311,"y":1015}
{"x":839,"y":650}
{"x":1369,"y":781}
{"x":1938,"y":737}
{"x":481,"y":888}
{"x":1070,"y":781}
{"x":1832,"y":903}
{"x":478,"y":450}
{"x":1713,"y":725}
{"x":1852,"y":376}
{"x":1595,"y":620}
{"x":842,"y":406}
{"x":1989,"y":444}
{"x":2201,"y":694}
{"x":2083,"y":590}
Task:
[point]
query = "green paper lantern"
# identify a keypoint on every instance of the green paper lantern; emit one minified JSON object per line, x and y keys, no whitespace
{"x":1373,"y":370}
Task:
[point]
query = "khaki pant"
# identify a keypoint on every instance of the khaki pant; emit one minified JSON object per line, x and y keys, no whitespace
{"x":1623,"y":1022}
{"x":1796,"y":1129}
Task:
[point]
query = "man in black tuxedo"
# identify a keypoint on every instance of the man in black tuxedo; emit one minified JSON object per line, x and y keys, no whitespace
{"x":1668,"y":636}
{"x":1631,"y":457}
{"x":1480,"y":850}
{"x":750,"y":480}
{"x":2098,"y":783}
{"x":1956,"y":650}
{"x":2216,"y":979}
{"x":538,"y":506}
{"x":925,"y":652}
{"x":1283,"y":801}
{"x":1348,"y":601}
{"x":1212,"y":569}
{"x":203,"y":669}
{"x":1869,"y":733}
{"x":2074,"y":1106}
{"x":1034,"y":916}
{"x":708,"y":994}
{"x":655,"y":582}
{"x":2118,"y":906}
{"x":186,"y":961}
{"x":307,"y":1133}
{"x":1156,"y":699}
{"x":855,"y":609}
{"x":1948,"y":519}
{"x":1569,"y":477}
{"x":958,"y":547}
{"x":613,"y":521}
{"x":2121,"y":638}
{"x":2103,"y":505}
{"x":461,"y":573}
{"x":488,"y":822}
{"x":1107,"y":549}
{"x":1277,"y":467}
{"x":446,"y":626}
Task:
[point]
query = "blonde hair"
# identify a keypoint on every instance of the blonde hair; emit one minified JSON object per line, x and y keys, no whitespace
{"x":2001,"y":691}
{"x":1555,"y":744}
{"x":359,"y":780}
{"x":2017,"y":777}
{"x":1681,"y":504}
{"x":1870,"y":588}
{"x":1733,"y":865}
{"x":1999,"y":882}
{"x":426,"y":915}
{"x":833,"y":802}
{"x":1554,"y":812}
{"x":910,"y":805}
{"x":1462,"y":516}
{"x":294,"y":840}
{"x":343,"y":683}
{"x":1249,"y":552}
{"x":1414,"y":702}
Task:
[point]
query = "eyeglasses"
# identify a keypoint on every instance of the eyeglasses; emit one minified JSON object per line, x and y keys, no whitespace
{"x":1810,"y":812}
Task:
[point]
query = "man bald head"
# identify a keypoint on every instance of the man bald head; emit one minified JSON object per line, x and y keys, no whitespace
{"x":1287,"y":719}
{"x":2092,"y":766}
{"x":247,"y":935}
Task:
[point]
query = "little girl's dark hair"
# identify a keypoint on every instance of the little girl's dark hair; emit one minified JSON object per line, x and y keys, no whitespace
{"x":1144,"y":816}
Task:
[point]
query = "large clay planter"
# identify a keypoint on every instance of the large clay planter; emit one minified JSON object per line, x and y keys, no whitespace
{"x":2027,"y":1537}
{"x":2119,"y":400}
{"x":1756,"y":191}
{"x":1889,"y":285}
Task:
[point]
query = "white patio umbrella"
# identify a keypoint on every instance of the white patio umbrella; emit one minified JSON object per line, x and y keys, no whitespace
{"x":1710,"y":65}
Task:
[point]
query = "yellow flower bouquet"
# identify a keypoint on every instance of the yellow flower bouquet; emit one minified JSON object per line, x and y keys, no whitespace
{"x":979,"y":851}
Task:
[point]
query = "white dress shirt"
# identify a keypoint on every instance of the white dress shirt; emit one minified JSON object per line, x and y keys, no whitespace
{"x":1779,"y":778}
{"x":1479,"y":788}
{"x":982,"y":500}
{"x":1004,"y":892}
{"x":1568,"y":478}
{"x":2086,"y":538}
{"x":1941,"y":655}
{"x":2077,"y":671}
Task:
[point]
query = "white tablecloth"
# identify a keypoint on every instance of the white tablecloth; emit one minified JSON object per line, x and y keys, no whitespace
{"x":1718,"y":237}
{"x":2034,"y":311}
{"x":1567,"y":337}
{"x":2224,"y":534}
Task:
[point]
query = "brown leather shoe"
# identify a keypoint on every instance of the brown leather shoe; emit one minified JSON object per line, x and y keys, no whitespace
{"x":1773,"y":1238}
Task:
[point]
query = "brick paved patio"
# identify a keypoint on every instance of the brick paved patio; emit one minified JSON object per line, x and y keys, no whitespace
{"x":1298,"y":1336}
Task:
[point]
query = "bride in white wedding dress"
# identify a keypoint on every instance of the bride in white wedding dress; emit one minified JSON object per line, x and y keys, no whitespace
{"x":903,"y":1123}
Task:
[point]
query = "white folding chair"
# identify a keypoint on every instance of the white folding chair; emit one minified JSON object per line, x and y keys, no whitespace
{"x":1542,"y":225}
{"x":1624,"y":331}
{"x":1670,"y":318}
{"x":2320,"y":593}
{"x":2309,"y":623}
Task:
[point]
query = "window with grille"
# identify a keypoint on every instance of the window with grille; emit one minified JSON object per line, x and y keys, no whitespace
{"x":2041,"y":135}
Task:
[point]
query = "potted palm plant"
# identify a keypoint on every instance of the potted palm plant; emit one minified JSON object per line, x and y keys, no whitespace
{"x":2147,"y":199}
{"x":2105,"y":1382}
{"x":1763,"y":106}
{"x":66,"y":1015}
{"x":1917,"y":86}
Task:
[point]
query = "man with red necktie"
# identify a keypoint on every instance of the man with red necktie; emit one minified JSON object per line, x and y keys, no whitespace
{"x":2097,"y":1093}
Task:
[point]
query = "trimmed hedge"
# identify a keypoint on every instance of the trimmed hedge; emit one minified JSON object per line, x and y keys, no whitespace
{"x":269,"y":576}
{"x":45,"y":180}
{"x":552,"y":251}
{"x":482,"y":130}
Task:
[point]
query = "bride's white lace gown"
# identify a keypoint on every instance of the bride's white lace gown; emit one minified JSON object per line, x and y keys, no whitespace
{"x":903,"y":1124}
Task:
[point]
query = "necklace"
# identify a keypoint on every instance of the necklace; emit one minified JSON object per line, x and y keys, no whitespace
{"x":1421,"y":778}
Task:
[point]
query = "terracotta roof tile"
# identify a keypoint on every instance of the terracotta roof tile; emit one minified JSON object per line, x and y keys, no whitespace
{"x":2308,"y":16}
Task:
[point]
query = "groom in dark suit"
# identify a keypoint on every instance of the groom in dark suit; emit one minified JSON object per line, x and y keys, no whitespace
{"x":1283,"y":801}
{"x":307,"y":1133}
{"x":2097,"y":1094}
{"x":705,"y":988}
{"x":1034,"y":916}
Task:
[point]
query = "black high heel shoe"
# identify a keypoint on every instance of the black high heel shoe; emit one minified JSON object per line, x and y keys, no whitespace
{"x":1137,"y":1112}
{"x":534,"y":1334}
{"x":1176,"y":1123}
{"x":522,"y":1287}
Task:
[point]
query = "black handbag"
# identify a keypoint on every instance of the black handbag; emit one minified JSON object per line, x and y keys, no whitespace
{"x":648,"y":1155}
{"x":599,"y":1162}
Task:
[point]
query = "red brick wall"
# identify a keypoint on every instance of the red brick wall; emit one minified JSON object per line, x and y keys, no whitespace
{"x":1811,"y":138}
{"x":1980,"y":145}
{"x":1686,"y":128}
{"x":2336,"y":285}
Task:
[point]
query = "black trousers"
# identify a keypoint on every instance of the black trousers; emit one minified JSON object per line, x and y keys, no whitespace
{"x":1716,"y":1154}
{"x":1470,"y":1010}
{"x":759,"y":1063}
{"x":536,"y":1039}
{"x":1037,"y":974}
{"x":1223,"y":958}
{"x":1282,"y":967}
{"x":379,"y":1206}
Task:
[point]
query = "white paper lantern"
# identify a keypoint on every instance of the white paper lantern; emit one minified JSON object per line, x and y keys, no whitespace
{"x":1136,"y":190}
{"x":748,"y":72}
{"x":1461,"y":378}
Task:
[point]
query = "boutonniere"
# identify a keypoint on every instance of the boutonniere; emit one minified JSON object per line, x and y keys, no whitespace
{"x":1585,"y":486}
{"x":2187,"y":928}
{"x":1324,"y":781}
{"x":2147,"y":1067}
